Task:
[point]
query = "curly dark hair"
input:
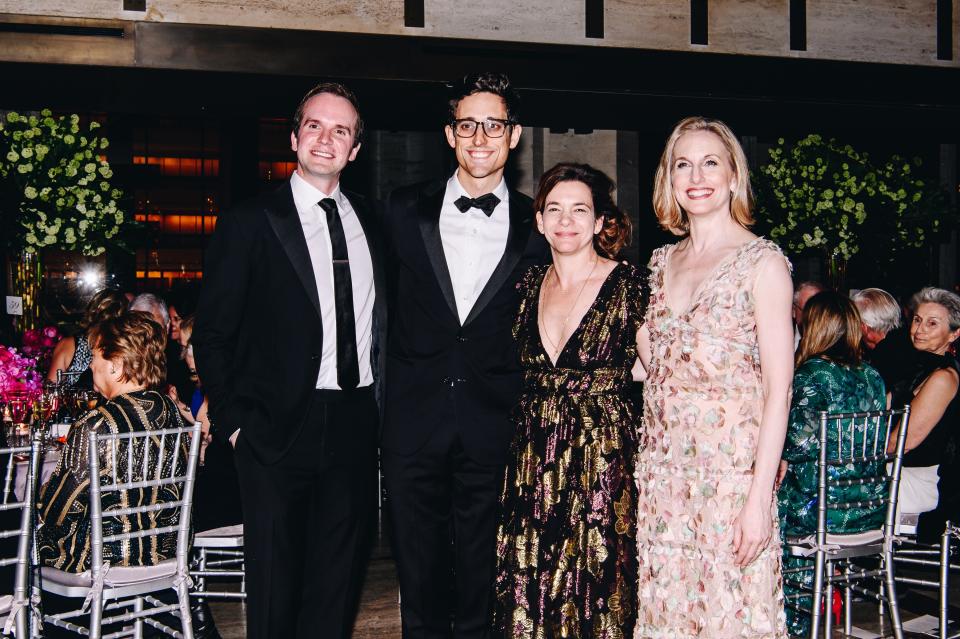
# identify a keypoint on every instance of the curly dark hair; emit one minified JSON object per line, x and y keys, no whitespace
{"x":487,"y":82}
{"x":333,"y":88}
{"x":617,"y":228}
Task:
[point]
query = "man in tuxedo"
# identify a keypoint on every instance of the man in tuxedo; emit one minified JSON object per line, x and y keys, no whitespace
{"x":286,"y":336}
{"x":457,"y":249}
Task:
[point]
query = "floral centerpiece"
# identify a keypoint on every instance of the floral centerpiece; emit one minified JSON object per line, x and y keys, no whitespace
{"x":58,"y":185}
{"x":39,"y":343}
{"x":55,"y":193}
{"x":18,"y":373}
{"x":820,"y":194}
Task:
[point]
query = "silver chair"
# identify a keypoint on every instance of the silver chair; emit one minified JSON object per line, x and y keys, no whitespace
{"x":909,"y":551}
{"x":218,"y":554}
{"x":67,"y":378}
{"x":126,"y":594}
{"x":17,"y":610}
{"x":834,"y":555}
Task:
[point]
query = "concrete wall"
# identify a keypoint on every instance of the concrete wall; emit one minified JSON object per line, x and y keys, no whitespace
{"x":892,"y":31}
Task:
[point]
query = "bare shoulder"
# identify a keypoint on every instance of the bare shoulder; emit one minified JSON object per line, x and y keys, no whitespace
{"x":943,"y":379}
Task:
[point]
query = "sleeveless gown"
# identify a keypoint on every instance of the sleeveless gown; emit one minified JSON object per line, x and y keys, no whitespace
{"x":703,"y":400}
{"x":566,"y":553}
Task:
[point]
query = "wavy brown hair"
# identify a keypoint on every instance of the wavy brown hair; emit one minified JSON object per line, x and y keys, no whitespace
{"x":831,"y":330}
{"x":669,"y":213}
{"x":617,"y":228}
{"x":138,"y":342}
{"x":105,"y":304}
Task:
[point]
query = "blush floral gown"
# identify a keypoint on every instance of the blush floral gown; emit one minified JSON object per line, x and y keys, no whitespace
{"x":703,"y":400}
{"x":566,"y":563}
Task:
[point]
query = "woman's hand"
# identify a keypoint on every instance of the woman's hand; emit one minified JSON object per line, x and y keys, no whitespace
{"x":751,"y":531}
{"x":205,"y":439}
{"x":781,"y":473}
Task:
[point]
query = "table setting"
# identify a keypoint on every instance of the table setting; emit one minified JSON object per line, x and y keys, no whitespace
{"x":52,"y":411}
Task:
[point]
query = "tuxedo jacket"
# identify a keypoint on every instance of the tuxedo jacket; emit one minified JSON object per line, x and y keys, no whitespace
{"x":441,"y":374}
{"x":258,"y":337}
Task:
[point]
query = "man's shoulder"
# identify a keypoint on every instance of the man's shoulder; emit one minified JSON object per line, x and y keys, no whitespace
{"x":254,"y":207}
{"x":521,"y":198}
{"x":409,"y":194}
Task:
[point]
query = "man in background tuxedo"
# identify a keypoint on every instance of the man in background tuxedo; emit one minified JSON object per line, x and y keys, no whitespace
{"x":457,"y":247}
{"x":286,"y":333}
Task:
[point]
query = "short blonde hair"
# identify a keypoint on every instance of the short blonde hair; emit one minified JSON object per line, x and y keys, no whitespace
{"x":669,"y":213}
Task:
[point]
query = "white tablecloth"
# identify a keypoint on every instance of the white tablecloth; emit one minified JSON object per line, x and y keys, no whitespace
{"x":49,"y":462}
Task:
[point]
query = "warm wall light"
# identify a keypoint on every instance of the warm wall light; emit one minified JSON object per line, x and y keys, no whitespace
{"x":176,"y":166}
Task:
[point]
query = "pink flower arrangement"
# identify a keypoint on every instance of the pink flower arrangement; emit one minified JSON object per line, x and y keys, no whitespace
{"x":18,"y":373}
{"x":39,"y":342}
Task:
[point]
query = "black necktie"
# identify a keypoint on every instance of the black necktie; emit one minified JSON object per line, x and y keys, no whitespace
{"x":348,"y":370}
{"x":485,"y":203}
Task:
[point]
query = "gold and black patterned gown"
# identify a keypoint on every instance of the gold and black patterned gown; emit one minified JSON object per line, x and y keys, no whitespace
{"x":63,"y":533}
{"x":566,"y":550}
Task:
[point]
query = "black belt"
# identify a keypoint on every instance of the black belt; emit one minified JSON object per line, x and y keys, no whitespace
{"x":331,"y":395}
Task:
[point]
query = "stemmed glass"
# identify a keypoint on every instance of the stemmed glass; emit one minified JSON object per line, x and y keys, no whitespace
{"x":20,"y":406}
{"x":85,"y":400}
{"x":47,"y":404}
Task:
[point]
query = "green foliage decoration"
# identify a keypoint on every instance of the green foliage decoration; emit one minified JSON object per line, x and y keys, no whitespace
{"x":821,"y":194}
{"x":56,"y":183}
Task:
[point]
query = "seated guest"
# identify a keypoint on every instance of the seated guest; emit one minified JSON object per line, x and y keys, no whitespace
{"x":931,"y":390}
{"x":127,"y":365}
{"x":879,"y":314}
{"x":193,"y":403}
{"x":155,"y":307}
{"x":803,"y":292}
{"x":181,"y":304}
{"x":217,"y":491}
{"x":830,"y":376}
{"x":72,"y":353}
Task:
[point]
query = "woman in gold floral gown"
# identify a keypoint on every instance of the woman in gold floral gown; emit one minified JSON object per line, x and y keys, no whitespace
{"x":566,"y":551}
{"x":717,"y":346}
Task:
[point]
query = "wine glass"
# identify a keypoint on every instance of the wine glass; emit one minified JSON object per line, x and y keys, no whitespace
{"x":20,"y":406}
{"x":46,"y":405}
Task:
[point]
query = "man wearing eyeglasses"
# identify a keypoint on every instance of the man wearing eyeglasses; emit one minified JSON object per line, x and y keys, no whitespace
{"x":458,"y":248}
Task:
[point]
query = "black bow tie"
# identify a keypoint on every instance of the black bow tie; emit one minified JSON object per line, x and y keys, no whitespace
{"x":485,"y":203}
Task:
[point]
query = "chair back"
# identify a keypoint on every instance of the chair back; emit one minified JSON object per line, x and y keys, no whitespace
{"x":29,"y":455}
{"x":67,"y":378}
{"x":861,"y":441}
{"x":144,"y":461}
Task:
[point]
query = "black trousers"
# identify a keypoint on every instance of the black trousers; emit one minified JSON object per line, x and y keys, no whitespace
{"x":306,"y":521}
{"x":444,"y":508}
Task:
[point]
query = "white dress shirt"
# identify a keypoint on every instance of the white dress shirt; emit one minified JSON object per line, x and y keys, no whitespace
{"x":313,"y":219}
{"x":472,"y":242}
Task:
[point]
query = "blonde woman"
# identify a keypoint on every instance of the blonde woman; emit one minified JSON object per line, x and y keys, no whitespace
{"x":717,"y":346}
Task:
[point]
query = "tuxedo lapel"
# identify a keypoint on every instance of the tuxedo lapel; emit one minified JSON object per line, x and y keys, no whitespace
{"x":517,"y":238}
{"x":431,"y":201}
{"x":285,"y":221}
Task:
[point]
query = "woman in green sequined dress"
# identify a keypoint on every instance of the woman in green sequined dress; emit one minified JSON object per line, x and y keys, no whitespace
{"x":830,"y":377}
{"x":566,"y":552}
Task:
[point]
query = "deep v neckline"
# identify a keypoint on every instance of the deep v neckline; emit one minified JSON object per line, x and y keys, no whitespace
{"x":695,"y":297}
{"x":576,"y":331}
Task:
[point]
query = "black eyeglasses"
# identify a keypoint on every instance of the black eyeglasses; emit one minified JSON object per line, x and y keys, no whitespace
{"x":492,"y":127}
